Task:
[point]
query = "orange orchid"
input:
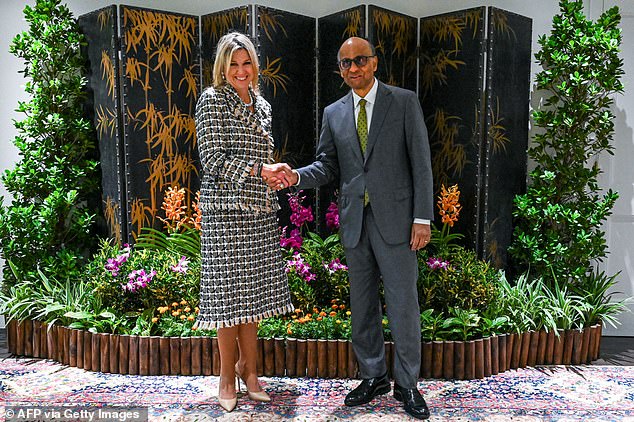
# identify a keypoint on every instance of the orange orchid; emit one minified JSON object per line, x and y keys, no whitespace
{"x":448,"y":205}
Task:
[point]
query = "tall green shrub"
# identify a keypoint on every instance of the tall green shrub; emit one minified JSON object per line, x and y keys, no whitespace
{"x":49,"y":220}
{"x":558,"y":231}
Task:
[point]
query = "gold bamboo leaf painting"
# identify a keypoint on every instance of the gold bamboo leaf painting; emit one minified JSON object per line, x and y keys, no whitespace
{"x":450,"y":157}
{"x":271,"y":74}
{"x":112,"y":213}
{"x":106,"y":122}
{"x":353,"y":23}
{"x":443,"y":29}
{"x":501,"y":23}
{"x":493,"y":251}
{"x":107,"y":72}
{"x":497,"y":132}
{"x":139,"y":214}
{"x":449,"y":31}
{"x":160,"y":59}
{"x":270,"y":24}
{"x":395,"y":45}
{"x":434,"y":69}
{"x":103,"y":18}
{"x":472,"y":20}
{"x":133,"y":72}
{"x":217,"y":25}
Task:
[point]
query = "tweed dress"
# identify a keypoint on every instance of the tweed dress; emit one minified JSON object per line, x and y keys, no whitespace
{"x":242,"y":275}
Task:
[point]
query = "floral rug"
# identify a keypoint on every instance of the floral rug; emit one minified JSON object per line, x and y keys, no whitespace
{"x":558,"y":393}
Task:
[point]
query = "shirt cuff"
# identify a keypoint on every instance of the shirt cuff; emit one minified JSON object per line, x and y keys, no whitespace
{"x":421,"y":221}
{"x":298,"y":177}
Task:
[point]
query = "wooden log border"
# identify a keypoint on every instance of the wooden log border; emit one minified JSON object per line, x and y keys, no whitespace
{"x":144,"y":355}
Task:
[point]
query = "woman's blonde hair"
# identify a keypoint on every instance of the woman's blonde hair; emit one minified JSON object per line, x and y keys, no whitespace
{"x":227,"y":45}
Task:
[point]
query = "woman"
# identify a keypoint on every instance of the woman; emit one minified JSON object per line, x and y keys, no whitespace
{"x":243,"y":278}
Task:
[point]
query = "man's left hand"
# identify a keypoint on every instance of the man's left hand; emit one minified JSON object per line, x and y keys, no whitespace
{"x":421,"y":235}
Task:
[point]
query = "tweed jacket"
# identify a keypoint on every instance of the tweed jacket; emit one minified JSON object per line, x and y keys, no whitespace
{"x":231,"y":140}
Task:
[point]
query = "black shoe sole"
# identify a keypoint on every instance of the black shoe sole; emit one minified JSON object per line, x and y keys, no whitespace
{"x":381,"y":391}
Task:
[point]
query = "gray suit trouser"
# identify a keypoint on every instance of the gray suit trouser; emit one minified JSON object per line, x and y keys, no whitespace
{"x":368,"y":262}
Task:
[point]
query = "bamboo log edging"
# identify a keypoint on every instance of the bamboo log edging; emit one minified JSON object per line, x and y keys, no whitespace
{"x":300,"y":365}
{"x":144,"y":355}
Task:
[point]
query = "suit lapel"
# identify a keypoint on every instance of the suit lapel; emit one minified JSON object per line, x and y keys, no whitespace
{"x":347,"y":105}
{"x":381,"y":106}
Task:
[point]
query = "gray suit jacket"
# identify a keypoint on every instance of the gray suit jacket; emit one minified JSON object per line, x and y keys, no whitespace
{"x":396,"y":168}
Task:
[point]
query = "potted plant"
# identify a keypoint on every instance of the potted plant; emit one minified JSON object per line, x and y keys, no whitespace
{"x":48,"y":228}
{"x":559,"y":235}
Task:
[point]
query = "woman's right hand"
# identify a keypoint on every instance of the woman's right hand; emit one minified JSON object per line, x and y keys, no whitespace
{"x":278,"y":176}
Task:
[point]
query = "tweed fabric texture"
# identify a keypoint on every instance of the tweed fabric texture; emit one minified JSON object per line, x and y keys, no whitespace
{"x":243,"y":278}
{"x":231,"y":140}
{"x":242,"y":275}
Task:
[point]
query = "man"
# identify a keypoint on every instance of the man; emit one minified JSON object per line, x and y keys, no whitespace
{"x":385,"y":208}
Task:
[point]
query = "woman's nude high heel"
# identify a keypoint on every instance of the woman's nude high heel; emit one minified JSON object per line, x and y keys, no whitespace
{"x":260,"y":396}
{"x":228,"y":404}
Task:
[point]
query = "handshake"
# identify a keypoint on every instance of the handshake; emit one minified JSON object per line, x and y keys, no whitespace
{"x":278,"y":176}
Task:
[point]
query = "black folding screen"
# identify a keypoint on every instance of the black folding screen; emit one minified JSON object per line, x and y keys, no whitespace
{"x":144,"y":105}
{"x":158,"y":84}
{"x":506,"y":130}
{"x":450,"y":90}
{"x":478,"y":128}
{"x":102,"y":50}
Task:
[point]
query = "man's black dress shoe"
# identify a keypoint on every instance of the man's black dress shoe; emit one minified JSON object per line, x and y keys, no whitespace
{"x":368,"y":390}
{"x":413,"y":402}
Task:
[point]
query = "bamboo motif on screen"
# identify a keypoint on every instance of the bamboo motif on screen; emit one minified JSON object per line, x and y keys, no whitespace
{"x":501,"y":23}
{"x":395,"y":34}
{"x":445,"y":29}
{"x":106,"y":122}
{"x":104,"y":18}
{"x":271,"y":75}
{"x":217,"y":25}
{"x":497,"y":132}
{"x":112,"y":213}
{"x":450,"y":157}
{"x":353,"y":23}
{"x":156,"y":44}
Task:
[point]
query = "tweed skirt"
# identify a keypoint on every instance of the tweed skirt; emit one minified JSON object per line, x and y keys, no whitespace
{"x":242,"y":274}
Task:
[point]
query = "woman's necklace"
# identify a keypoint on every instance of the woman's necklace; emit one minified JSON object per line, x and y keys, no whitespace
{"x":249,"y":104}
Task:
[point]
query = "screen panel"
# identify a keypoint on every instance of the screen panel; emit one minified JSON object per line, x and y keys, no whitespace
{"x":160,"y":88}
{"x":102,"y":52}
{"x":506,"y":129}
{"x":451,"y":90}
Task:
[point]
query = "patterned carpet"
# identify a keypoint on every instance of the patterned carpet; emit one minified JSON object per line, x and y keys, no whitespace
{"x":584,"y":393}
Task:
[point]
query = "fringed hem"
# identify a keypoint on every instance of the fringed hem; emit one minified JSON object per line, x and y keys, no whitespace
{"x":248,"y":207}
{"x":204,"y":325}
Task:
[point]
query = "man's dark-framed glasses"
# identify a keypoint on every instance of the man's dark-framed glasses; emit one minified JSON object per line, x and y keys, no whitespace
{"x":360,"y":61}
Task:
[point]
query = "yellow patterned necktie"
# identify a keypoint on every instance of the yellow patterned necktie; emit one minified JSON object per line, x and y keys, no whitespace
{"x":362,"y":125}
{"x":362,"y":131}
